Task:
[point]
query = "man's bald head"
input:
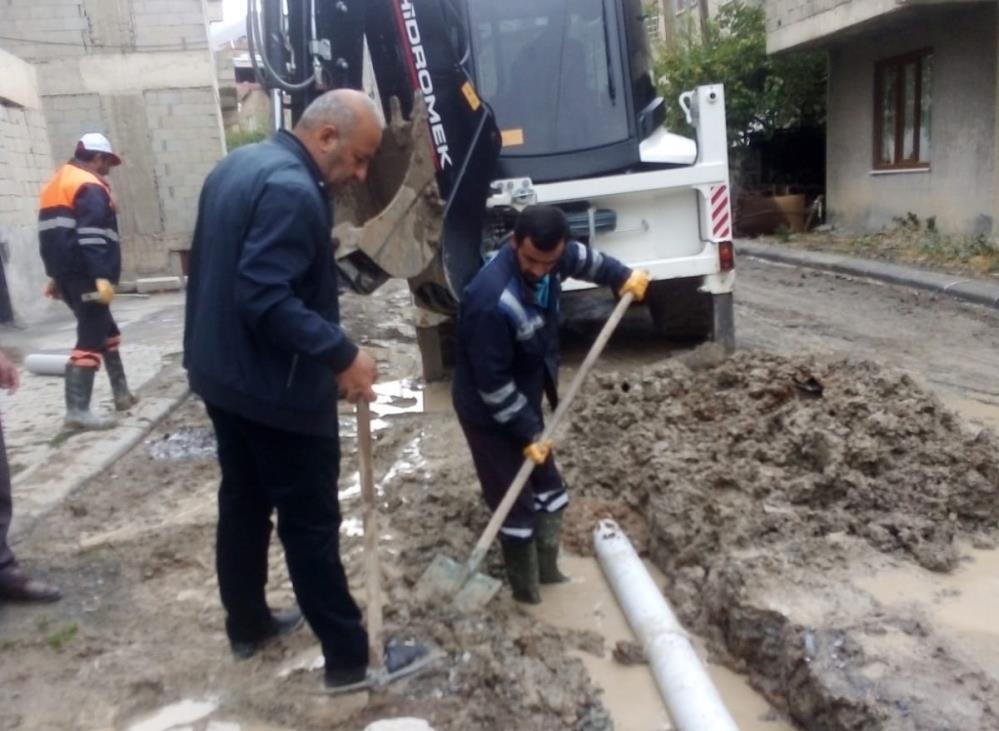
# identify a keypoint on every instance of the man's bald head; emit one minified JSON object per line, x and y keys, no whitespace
{"x":341,"y":130}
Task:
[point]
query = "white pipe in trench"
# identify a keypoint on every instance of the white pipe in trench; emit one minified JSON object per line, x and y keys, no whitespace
{"x":691,"y":698}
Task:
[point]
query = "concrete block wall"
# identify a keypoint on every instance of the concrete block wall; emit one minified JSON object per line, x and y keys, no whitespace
{"x":99,"y":63}
{"x":68,"y":117}
{"x":183,"y":127}
{"x":173,"y":24}
{"x":26,"y":164}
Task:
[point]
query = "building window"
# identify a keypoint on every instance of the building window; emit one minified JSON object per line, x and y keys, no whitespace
{"x":903,"y":94}
{"x":652,"y":20}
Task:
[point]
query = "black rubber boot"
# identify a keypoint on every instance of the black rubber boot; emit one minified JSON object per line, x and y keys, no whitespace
{"x":521,"y":559}
{"x":123,"y":398}
{"x":79,"y":387}
{"x":548,"y":534}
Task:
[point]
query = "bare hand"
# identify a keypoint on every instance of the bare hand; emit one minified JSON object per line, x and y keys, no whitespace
{"x":9,"y":377}
{"x":51,"y":290}
{"x":356,"y":382}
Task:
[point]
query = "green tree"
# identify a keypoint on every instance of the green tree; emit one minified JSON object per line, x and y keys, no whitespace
{"x":763,"y":93}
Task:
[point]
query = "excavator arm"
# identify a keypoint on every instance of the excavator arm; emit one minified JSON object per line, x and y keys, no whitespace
{"x":420,"y":215}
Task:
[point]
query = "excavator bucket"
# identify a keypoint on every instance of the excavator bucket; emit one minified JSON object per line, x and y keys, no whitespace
{"x":420,"y":214}
{"x":395,"y":220}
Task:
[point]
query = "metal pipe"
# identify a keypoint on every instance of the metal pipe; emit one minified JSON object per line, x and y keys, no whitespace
{"x":277,"y":109}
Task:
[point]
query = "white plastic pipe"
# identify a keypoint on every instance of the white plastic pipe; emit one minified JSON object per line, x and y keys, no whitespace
{"x":47,"y":364}
{"x":691,"y":698}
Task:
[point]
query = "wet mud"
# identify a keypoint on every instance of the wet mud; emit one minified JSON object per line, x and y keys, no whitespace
{"x":762,"y":487}
{"x":766,"y":483}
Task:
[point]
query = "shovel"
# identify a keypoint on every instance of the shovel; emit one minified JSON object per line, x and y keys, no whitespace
{"x":471,"y":590}
{"x":378,"y":676}
{"x":372,"y":566}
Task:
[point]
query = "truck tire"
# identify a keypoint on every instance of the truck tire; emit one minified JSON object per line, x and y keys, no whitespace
{"x":679,"y":311}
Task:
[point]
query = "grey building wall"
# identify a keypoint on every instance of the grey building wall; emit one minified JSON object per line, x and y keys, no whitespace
{"x":959,"y":188}
{"x":25,"y":164}
{"x":141,"y":72}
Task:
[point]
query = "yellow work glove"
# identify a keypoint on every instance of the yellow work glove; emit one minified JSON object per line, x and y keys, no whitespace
{"x":538,"y":452}
{"x":105,"y":291}
{"x":51,"y":290}
{"x":636,"y":284}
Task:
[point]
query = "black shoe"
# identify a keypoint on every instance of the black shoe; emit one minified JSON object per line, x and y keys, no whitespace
{"x":399,"y":660}
{"x":345,"y":678}
{"x":16,"y":586}
{"x":282,"y":623}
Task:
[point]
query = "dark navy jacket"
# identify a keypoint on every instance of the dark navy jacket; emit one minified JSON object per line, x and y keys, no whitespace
{"x":262,"y":337}
{"x":508,"y":343}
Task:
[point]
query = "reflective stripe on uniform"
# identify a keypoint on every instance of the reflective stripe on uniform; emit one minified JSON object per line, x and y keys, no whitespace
{"x":495,"y":398}
{"x":57,"y":222}
{"x":558,"y":503}
{"x":85,"y":359}
{"x":91,"y":241}
{"x":526,"y":325}
{"x":105,"y":232}
{"x":509,"y":412}
{"x":552,"y":500}
{"x":517,"y":532}
{"x":598,"y":261}
{"x":580,"y":258}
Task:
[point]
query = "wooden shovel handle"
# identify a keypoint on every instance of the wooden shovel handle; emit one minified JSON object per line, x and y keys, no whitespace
{"x":372,"y":565}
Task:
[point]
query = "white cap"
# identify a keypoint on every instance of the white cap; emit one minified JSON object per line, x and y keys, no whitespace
{"x":96,"y":142}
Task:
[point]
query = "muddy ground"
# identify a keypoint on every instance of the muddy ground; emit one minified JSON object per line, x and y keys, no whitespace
{"x":759,"y":486}
{"x":766,"y":481}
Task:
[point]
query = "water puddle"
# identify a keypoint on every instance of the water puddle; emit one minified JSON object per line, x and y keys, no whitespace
{"x":187,"y":443}
{"x":410,"y":461}
{"x":176,"y":716}
{"x":398,"y":397}
{"x":961,"y":605}
{"x":630,"y":692}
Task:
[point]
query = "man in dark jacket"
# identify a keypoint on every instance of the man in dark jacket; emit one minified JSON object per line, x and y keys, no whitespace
{"x":263,"y":347}
{"x":15,"y":584}
{"x":507,"y":360}
{"x":78,"y":237}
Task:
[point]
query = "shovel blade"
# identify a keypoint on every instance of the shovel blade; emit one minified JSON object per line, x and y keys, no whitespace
{"x":476,"y":592}
{"x":446,"y":578}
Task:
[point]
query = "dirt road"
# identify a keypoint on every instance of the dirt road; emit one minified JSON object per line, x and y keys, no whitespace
{"x":140,"y":628}
{"x":953,"y":347}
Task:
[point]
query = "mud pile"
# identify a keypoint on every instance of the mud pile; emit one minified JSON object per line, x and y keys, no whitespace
{"x":761,"y":449}
{"x":764,"y":483}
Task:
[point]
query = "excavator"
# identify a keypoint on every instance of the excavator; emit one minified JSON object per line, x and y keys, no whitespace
{"x":494,"y":105}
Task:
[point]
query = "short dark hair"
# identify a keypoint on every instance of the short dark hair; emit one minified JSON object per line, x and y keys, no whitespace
{"x":84,"y":155}
{"x":546,"y":225}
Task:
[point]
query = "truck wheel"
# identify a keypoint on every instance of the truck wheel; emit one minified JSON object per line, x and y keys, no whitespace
{"x":679,"y":311}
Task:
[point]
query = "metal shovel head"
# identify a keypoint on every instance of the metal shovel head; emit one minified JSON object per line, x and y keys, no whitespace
{"x":446,"y":577}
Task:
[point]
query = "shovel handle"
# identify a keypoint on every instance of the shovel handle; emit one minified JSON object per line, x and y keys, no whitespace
{"x":372,"y":566}
{"x":513,"y":492}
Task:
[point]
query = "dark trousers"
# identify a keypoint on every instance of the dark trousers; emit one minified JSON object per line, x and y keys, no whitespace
{"x":6,"y":508}
{"x":498,"y":457}
{"x":96,"y":330}
{"x":266,"y":470}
